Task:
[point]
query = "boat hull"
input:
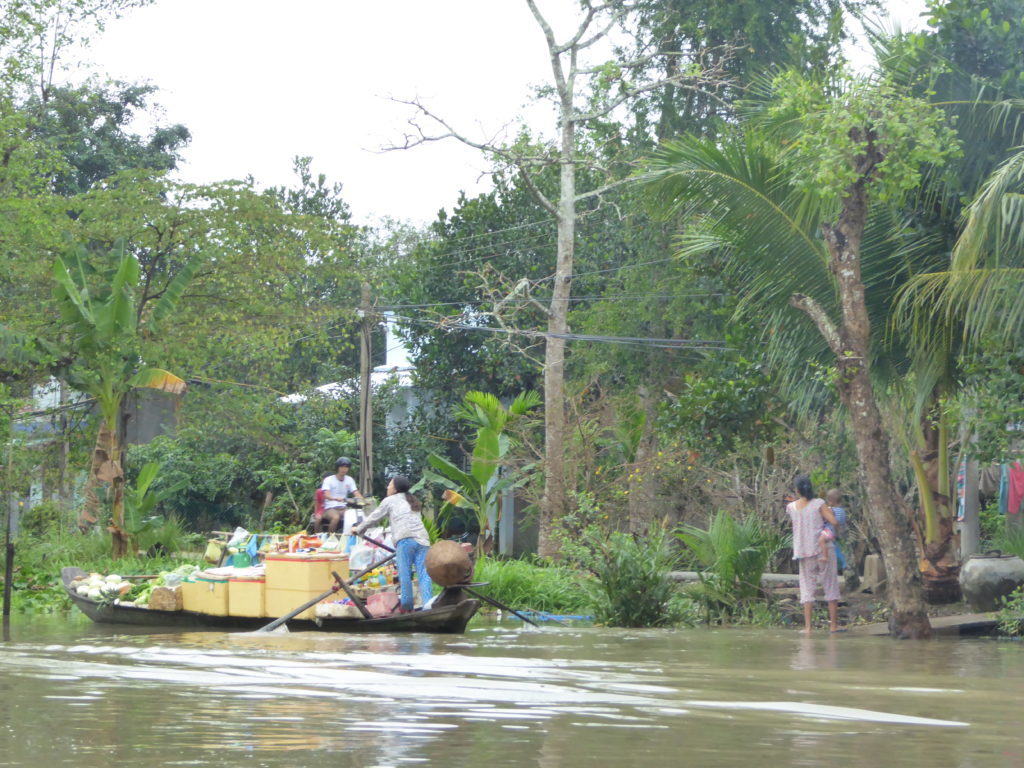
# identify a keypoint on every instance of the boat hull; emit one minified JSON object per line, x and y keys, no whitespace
{"x":450,"y":618}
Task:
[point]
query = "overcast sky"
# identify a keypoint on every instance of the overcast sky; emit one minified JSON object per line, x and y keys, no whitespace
{"x":261,"y":81}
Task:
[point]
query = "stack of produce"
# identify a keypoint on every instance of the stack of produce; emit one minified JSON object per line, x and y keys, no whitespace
{"x":119,"y":591}
{"x":101,"y":588}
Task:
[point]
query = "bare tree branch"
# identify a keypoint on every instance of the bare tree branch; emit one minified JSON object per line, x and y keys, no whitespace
{"x":528,"y":180}
{"x":599,"y":191}
{"x":556,"y":61}
{"x":821,"y":320}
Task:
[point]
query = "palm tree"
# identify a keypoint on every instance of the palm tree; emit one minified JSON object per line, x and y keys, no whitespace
{"x":106,"y":328}
{"x":983,"y":287}
{"x":798,"y":233}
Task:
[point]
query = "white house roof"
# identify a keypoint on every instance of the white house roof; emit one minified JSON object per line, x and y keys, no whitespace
{"x":379,"y":376}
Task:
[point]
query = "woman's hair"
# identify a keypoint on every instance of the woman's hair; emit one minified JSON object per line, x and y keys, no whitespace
{"x":803,"y":487}
{"x":402,"y":485}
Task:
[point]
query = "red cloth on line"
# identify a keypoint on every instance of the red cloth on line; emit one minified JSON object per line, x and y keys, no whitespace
{"x":1016,"y":494}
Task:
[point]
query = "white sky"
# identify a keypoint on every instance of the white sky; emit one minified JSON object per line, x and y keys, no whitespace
{"x":261,"y":81}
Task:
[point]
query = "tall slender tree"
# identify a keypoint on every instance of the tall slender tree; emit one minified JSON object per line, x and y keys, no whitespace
{"x":584,"y":94}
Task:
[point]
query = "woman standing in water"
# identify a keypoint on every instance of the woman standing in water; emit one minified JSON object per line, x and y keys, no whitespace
{"x":808,"y":514}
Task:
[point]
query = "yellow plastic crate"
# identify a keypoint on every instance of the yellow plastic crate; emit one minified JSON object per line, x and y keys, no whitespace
{"x":294,"y":579}
{"x":304,"y":572}
{"x":207,"y":594}
{"x":282,"y":601}
{"x":246,"y":597}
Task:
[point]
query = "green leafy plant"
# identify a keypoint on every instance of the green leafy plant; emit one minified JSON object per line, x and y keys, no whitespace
{"x":1010,"y":540}
{"x":1011,"y":615}
{"x":633,"y":586}
{"x":141,"y":521}
{"x":480,"y":489}
{"x":732,"y":557}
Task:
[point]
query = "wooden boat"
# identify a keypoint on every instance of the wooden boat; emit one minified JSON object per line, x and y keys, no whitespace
{"x":449,"y":615}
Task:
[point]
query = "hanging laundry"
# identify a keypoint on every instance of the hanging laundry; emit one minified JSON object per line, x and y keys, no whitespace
{"x":988,"y":483}
{"x":1016,"y":493}
{"x":1004,"y":488}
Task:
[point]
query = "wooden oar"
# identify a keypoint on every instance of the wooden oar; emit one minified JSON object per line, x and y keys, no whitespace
{"x":490,"y":600}
{"x":380,"y":544}
{"x":497,"y":604}
{"x":352,"y":596}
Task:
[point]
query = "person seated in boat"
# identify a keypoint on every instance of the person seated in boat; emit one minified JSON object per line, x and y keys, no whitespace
{"x":410,"y":536}
{"x":337,"y":489}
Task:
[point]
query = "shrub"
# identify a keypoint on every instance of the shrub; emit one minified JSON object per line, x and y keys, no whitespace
{"x":1010,"y":540}
{"x":733,"y":556}
{"x":1011,"y":615}
{"x":633,"y":587}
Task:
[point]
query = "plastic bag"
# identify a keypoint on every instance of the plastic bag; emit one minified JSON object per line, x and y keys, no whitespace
{"x":366,"y":555}
{"x":331,"y":543}
{"x":214,"y":552}
{"x":361,"y":557}
{"x":238,"y":537}
{"x":382,"y":604}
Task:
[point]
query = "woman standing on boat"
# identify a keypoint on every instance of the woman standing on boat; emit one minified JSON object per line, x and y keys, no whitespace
{"x":808,"y":515}
{"x":410,"y":536}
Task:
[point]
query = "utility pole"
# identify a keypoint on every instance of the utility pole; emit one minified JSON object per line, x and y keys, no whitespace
{"x":365,"y":396}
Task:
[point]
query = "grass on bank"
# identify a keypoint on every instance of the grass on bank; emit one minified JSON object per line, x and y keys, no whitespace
{"x":523,"y":584}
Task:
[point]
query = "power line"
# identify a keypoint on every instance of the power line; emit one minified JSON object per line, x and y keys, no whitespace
{"x":610,"y":297}
{"x":613,"y":269}
{"x":643,"y":341}
{"x":527,"y":225}
{"x":488,"y":246}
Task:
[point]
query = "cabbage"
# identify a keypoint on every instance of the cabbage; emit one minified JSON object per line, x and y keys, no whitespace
{"x":94,"y":594}
{"x":113,"y":579}
{"x":83,"y":590}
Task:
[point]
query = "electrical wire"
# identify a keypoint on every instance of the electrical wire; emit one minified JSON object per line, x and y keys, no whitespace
{"x":609,"y":297}
{"x":643,"y":341}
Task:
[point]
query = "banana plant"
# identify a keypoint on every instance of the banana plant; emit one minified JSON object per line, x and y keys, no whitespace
{"x":479,"y":490}
{"x":141,"y":500}
{"x":106,"y":327}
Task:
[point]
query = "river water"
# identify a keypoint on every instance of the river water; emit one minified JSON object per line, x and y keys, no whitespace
{"x":72,"y":693}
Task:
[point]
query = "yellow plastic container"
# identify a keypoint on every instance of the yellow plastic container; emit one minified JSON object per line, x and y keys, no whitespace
{"x":246,"y":597}
{"x":304,"y":572}
{"x":294,"y":579}
{"x":207,"y":594}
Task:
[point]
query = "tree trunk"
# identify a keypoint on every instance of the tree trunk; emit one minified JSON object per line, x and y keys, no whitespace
{"x":114,"y":474}
{"x":90,"y":513}
{"x":885,"y":507}
{"x":940,"y":568}
{"x":554,"y":502}
{"x":643,"y":489}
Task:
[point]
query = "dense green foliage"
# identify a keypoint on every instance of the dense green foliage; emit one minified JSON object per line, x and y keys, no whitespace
{"x":749,"y":165}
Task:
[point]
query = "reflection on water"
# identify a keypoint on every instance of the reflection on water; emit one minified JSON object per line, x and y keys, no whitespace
{"x":73,"y":693}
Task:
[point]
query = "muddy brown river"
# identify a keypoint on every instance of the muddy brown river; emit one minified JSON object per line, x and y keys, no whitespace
{"x":76,"y":694}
